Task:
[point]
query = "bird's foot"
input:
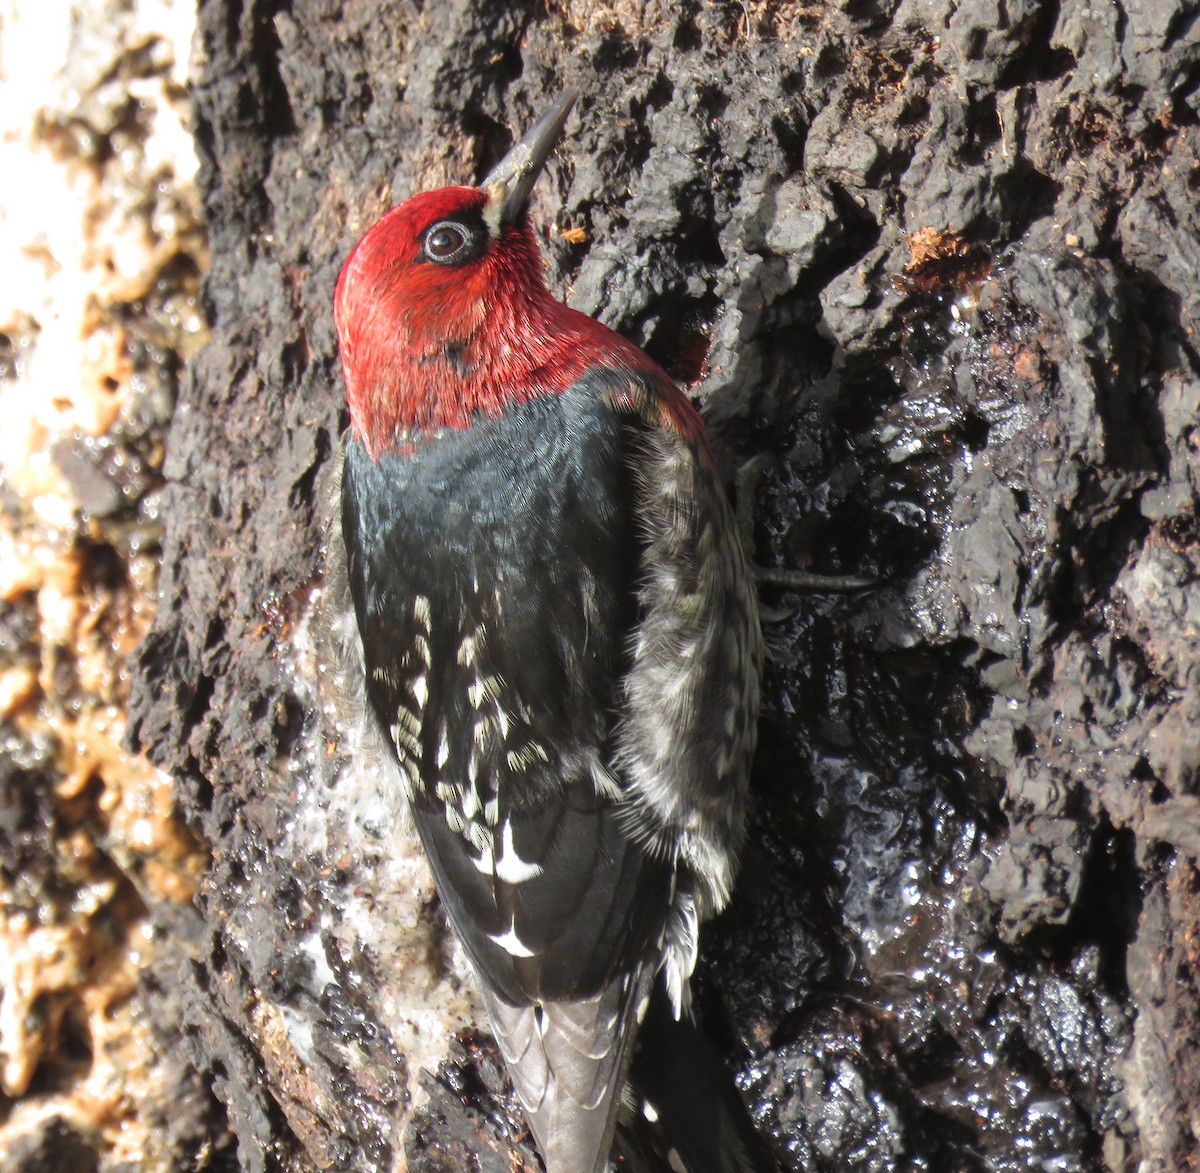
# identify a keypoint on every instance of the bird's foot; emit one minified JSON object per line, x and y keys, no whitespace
{"x":747,"y":480}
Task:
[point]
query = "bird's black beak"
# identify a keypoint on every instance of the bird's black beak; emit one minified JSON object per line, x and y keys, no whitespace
{"x":509,"y":183}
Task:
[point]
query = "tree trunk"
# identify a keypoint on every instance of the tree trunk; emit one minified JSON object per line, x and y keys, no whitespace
{"x":940,"y":263}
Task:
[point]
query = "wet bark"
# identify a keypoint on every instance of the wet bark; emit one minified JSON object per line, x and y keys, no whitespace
{"x":939,"y":261}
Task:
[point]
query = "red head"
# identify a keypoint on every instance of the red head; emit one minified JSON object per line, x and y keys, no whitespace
{"x":442,"y":312}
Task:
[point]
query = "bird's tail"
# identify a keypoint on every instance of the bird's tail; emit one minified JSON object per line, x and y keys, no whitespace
{"x":568,"y":1061}
{"x":687,"y":1110}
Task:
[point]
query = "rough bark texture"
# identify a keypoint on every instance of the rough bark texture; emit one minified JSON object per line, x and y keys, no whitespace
{"x":938,"y":260}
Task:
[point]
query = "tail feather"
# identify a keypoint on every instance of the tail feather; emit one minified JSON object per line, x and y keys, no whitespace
{"x":688,"y":1109}
{"x":568,"y":1062}
{"x":519,"y":1039}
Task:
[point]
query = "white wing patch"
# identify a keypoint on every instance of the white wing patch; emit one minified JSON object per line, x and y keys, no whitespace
{"x":511,"y":943}
{"x":510,"y":867}
{"x":420,"y":690}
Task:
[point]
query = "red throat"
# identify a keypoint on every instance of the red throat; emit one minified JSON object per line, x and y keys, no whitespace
{"x":426,"y":346}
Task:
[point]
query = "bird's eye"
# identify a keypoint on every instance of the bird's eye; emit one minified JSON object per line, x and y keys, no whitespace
{"x":445,"y":241}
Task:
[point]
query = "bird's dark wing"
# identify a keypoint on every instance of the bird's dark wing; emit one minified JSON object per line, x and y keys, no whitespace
{"x":560,"y":648}
{"x":494,"y":583}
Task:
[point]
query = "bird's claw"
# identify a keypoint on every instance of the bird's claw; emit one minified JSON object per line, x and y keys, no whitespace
{"x":796,"y":580}
{"x":806,"y":580}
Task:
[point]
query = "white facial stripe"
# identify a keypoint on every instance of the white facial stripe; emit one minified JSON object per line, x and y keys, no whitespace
{"x":493,"y":208}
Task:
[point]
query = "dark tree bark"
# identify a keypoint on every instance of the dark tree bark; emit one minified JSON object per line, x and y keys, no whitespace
{"x":939,"y":261}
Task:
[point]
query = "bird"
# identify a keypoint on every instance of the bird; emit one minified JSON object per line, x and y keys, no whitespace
{"x":554,"y":630}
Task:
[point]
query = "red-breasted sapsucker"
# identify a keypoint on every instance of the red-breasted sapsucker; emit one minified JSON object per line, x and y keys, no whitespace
{"x":559,"y":637}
